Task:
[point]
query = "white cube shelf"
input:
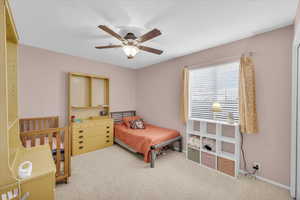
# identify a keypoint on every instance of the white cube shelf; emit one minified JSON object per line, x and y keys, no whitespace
{"x":224,"y":136}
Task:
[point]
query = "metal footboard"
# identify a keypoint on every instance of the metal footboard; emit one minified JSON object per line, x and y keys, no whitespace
{"x":166,"y":143}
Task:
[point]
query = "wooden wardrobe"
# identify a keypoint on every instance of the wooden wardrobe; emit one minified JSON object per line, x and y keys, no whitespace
{"x":41,"y":183}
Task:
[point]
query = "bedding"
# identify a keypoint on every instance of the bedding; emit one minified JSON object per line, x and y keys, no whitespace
{"x":127,"y":120}
{"x":141,"y":140}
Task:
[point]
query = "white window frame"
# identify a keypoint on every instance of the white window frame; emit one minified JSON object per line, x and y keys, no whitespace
{"x":189,"y":87}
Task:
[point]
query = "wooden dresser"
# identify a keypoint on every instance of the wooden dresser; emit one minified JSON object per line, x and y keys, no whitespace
{"x":91,"y":135}
{"x":89,"y":120}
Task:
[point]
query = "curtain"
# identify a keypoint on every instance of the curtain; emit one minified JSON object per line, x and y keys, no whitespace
{"x":247,"y":96}
{"x":185,"y":95}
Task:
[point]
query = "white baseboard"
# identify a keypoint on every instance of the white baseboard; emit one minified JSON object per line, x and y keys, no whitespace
{"x":273,"y":182}
{"x":269,"y":181}
{"x":263,"y":179}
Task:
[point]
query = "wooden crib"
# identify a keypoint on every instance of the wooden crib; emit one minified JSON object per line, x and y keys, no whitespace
{"x":43,"y":131}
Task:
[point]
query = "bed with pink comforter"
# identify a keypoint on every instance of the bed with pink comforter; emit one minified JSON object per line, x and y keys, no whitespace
{"x":141,"y":140}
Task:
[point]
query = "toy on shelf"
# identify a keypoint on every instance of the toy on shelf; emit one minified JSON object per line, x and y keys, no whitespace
{"x":209,"y":144}
{"x":194,"y":141}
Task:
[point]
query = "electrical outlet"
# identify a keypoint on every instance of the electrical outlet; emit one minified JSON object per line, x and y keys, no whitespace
{"x":256,"y":166}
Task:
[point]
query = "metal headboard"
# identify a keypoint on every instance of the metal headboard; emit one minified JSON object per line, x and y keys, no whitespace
{"x":118,"y":116}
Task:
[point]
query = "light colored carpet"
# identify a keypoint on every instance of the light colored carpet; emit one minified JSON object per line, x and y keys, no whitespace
{"x":116,"y":174}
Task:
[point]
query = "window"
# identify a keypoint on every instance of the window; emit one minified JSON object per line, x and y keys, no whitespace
{"x":214,"y":88}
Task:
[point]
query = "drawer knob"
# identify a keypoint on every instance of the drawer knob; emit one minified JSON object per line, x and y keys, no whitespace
{"x":107,"y":131}
{"x":107,"y":141}
{"x":81,"y":131}
{"x":80,"y":137}
{"x":107,"y":136}
{"x":80,"y":142}
{"x":107,"y":127}
{"x":81,"y":147}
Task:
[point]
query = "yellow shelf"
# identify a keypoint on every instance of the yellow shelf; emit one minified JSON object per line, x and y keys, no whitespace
{"x":12,"y":123}
{"x":90,"y":107}
{"x":41,"y":158}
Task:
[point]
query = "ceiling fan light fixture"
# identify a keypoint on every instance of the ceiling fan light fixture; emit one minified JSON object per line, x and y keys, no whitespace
{"x":131,"y":44}
{"x":130,"y":50}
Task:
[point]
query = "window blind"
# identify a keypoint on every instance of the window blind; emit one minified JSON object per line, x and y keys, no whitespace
{"x":214,"y":84}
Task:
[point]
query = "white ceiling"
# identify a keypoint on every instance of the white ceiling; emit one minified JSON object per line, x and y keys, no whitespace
{"x":70,"y":26}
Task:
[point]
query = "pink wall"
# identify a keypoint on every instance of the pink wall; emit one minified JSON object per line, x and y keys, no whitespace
{"x":297,"y":19}
{"x":155,"y":91}
{"x":43,"y":82}
{"x":158,"y":96}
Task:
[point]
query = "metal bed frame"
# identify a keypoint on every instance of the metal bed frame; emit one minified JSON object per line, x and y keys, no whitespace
{"x":118,"y":116}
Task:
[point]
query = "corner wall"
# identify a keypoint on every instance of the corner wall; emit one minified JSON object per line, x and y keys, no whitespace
{"x":297,"y":22}
{"x":43,"y":82}
{"x":158,"y":96}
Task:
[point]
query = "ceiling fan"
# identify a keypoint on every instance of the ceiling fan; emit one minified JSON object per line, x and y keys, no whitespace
{"x":130,"y":43}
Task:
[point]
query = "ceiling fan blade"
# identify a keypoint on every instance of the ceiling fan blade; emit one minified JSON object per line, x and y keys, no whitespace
{"x":150,"y":35}
{"x":111,"y":32}
{"x":151,"y":50}
{"x":107,"y":47}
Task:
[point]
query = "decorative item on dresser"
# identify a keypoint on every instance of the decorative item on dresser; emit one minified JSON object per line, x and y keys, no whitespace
{"x":218,"y":145}
{"x":45,"y":130}
{"x":24,"y":172}
{"x":89,"y":120}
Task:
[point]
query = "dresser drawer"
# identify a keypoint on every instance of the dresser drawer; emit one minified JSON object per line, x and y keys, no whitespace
{"x":90,"y":144}
{"x":93,"y":123}
{"x":91,"y":132}
{"x":85,"y":139}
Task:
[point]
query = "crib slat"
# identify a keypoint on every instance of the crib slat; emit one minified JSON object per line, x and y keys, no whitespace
{"x":66,"y":151}
{"x":34,"y":124}
{"x":58,"y":153}
{"x":42,"y":139}
{"x":23,"y":139}
{"x":45,"y":124}
{"x":21,"y":124}
{"x":56,"y":122}
{"x":51,"y":123}
{"x":33,"y":138}
{"x":40,"y":124}
{"x":50,"y":140}
{"x":27,"y":125}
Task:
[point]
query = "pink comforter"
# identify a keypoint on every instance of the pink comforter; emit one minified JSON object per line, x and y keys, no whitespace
{"x":142,"y":139}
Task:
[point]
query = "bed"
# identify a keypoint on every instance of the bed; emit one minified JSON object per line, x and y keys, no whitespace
{"x":146,"y":141}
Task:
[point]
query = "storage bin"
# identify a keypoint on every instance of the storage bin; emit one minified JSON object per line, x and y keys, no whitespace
{"x":226,"y":166}
{"x":194,"y":155}
{"x":209,"y":160}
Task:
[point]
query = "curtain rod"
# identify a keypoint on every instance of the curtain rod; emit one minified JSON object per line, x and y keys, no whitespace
{"x":220,"y":60}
